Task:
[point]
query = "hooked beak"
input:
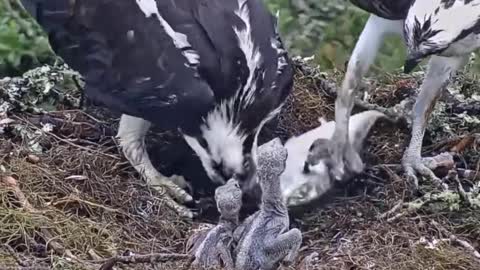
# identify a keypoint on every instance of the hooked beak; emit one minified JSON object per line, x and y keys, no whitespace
{"x":413,"y":59}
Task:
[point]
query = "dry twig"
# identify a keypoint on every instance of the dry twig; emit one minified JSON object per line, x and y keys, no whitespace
{"x":11,"y":183}
{"x":466,"y":245}
{"x":453,"y":175}
{"x":75,"y":198}
{"x":332,"y":90}
{"x":66,"y":141}
{"x":147,"y":258}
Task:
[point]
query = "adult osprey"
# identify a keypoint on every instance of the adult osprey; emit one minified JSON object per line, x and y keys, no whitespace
{"x":447,"y":30}
{"x":216,"y":70}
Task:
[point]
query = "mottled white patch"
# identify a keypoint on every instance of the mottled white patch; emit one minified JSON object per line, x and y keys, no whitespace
{"x":252,"y":54}
{"x":149,"y":8}
{"x":451,"y":21}
{"x":224,"y":139}
{"x":299,"y":187}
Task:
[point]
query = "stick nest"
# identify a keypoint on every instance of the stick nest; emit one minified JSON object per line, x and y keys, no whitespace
{"x":70,"y":200}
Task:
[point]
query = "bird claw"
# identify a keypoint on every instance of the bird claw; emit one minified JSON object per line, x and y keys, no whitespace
{"x":424,"y":167}
{"x":170,"y":193}
{"x":176,"y":187}
{"x":344,"y":160}
{"x":181,"y":210}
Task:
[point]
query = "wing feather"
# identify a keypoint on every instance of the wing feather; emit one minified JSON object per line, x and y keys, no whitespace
{"x":129,"y":59}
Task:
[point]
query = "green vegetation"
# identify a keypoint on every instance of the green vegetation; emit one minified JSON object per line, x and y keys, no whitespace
{"x":327,"y":29}
{"x":22,"y":43}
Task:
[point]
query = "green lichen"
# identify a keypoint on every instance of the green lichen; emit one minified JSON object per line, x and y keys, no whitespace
{"x":39,"y":90}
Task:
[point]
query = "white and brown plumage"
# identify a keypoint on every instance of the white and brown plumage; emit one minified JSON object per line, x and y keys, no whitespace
{"x":446,"y":30}
{"x":214,"y":69}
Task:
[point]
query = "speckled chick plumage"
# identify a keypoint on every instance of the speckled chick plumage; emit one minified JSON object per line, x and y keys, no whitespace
{"x":212,"y":248}
{"x":264,"y":239}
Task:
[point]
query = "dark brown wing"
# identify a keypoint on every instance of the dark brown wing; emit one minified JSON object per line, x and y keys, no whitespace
{"x":129,"y":59}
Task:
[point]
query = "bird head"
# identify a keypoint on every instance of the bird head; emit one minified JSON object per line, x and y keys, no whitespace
{"x":271,"y":163}
{"x":229,"y":198}
{"x":319,"y":153}
{"x":224,"y":149}
{"x":439,"y":27}
{"x":259,"y":81}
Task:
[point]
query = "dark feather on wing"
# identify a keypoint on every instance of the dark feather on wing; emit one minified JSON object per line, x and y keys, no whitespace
{"x":131,"y":64}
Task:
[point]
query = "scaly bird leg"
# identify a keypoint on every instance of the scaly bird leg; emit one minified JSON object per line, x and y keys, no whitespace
{"x":131,"y":135}
{"x":362,"y":57}
{"x":440,"y":70}
{"x":285,"y":247}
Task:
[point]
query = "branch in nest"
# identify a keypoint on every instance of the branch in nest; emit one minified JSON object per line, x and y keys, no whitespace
{"x":453,"y":175}
{"x":411,"y":207}
{"x":452,"y":240}
{"x":147,"y":258}
{"x":28,"y":123}
{"x":463,"y":143}
{"x":467,"y":174}
{"x":57,"y":247}
{"x":331,"y":89}
{"x":75,"y":198}
{"x":17,"y":258}
{"x":466,"y":245}
{"x":11,"y":183}
{"x":394,"y":209}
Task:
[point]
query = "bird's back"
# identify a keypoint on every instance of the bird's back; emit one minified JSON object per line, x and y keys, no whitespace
{"x":139,"y":55}
{"x":132,"y":61}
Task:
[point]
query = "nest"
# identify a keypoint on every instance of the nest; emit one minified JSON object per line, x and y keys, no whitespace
{"x":70,"y":200}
